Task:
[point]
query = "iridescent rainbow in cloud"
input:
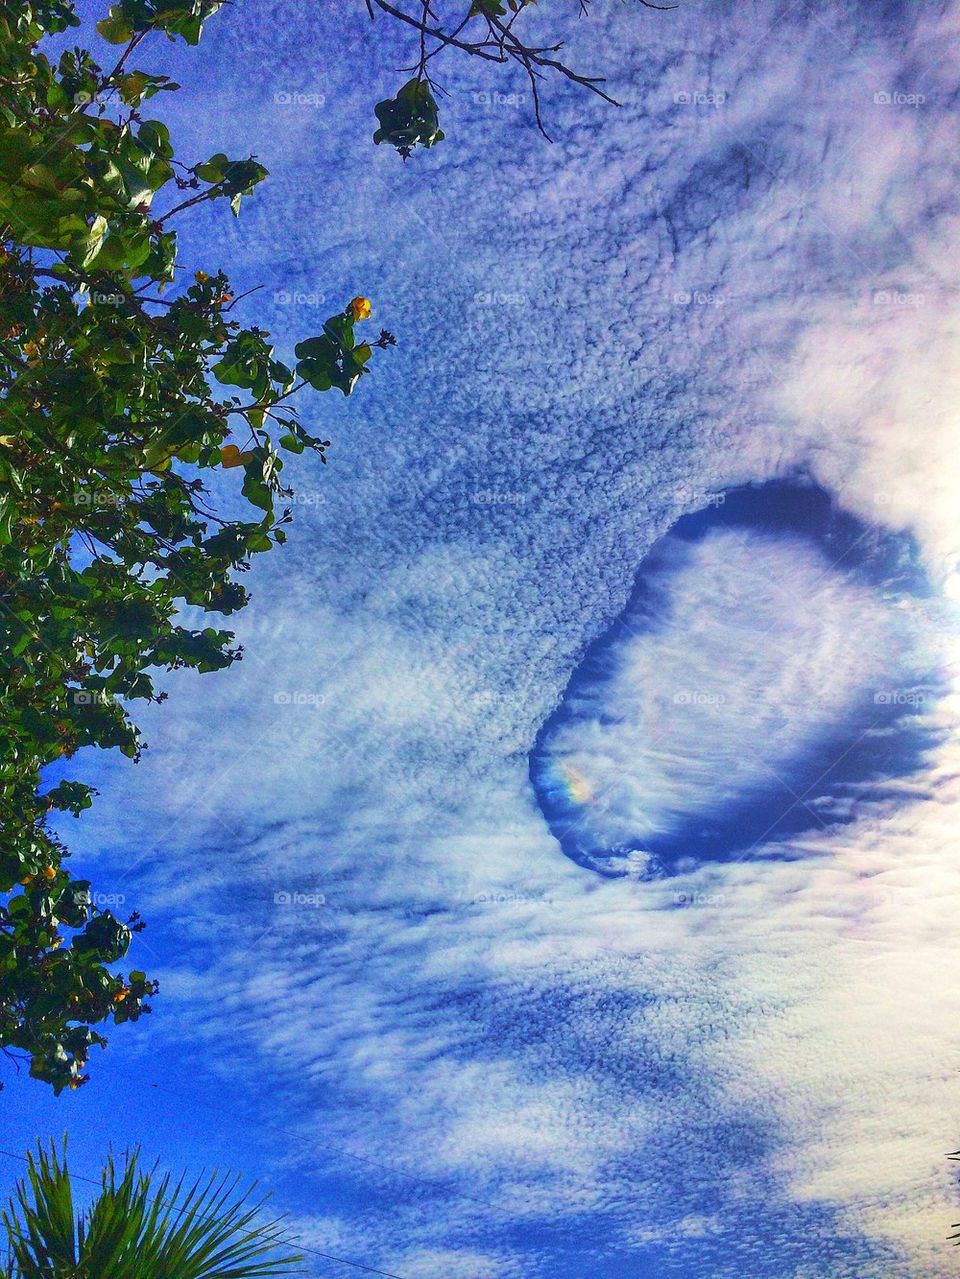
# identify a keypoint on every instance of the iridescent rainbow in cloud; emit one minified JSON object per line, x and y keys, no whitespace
{"x":575,"y":784}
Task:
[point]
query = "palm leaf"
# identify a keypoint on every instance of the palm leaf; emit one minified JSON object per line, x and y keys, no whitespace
{"x":138,"y":1229}
{"x":39,"y":1219}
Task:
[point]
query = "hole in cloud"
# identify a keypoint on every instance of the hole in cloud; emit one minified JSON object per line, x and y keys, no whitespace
{"x":769,"y":671}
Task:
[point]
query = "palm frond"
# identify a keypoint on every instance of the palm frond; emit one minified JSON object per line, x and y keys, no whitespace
{"x":139,"y":1228}
{"x":40,"y":1221}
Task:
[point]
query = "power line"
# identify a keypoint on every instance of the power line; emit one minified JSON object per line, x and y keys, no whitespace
{"x":286,"y":1243}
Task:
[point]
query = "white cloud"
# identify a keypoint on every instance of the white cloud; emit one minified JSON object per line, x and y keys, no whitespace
{"x":781,"y":1055}
{"x":761,"y":648}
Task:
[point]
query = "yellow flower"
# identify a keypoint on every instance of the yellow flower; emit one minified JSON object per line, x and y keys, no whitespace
{"x":201,"y":277}
{"x":49,"y":873}
{"x":360,"y":308}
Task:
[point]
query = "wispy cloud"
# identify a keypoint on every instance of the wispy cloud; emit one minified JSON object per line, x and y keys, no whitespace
{"x":747,"y":268}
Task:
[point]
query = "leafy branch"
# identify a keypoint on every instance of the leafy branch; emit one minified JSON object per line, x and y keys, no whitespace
{"x":486,"y":30}
{"x":116,"y":405}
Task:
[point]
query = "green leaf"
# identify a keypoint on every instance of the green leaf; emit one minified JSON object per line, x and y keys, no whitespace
{"x":410,"y":119}
{"x":155,"y":135}
{"x":254,"y":489}
{"x":104,"y":937}
{"x":212,"y":170}
{"x":115,"y":30}
{"x":137,"y":85}
{"x":89,"y":246}
{"x":110,"y":409}
{"x":340,"y":328}
{"x":137,"y":1225}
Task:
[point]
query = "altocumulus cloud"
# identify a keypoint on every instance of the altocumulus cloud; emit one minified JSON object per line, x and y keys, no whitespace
{"x":746,"y":269}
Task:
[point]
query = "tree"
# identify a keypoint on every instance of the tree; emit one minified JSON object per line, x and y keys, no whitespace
{"x":484,"y":29}
{"x":124,"y":380}
{"x":135,"y":1229}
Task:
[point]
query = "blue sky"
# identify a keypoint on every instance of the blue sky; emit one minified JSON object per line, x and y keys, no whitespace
{"x":387,"y":992}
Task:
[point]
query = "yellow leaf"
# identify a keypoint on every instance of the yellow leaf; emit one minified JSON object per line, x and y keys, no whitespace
{"x":230,"y":455}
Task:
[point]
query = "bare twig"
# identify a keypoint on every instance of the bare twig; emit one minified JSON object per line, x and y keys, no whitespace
{"x":477,"y":49}
{"x":499,"y":43}
{"x":135,"y":40}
